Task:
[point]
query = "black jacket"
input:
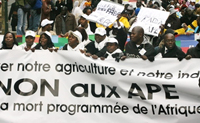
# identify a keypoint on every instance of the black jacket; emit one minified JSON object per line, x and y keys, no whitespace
{"x":194,"y":51}
{"x":90,"y":48}
{"x":187,"y":20}
{"x":172,"y":53}
{"x":131,"y":50}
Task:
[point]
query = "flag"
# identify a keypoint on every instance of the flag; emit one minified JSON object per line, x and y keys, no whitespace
{"x":185,"y":42}
{"x":58,"y":41}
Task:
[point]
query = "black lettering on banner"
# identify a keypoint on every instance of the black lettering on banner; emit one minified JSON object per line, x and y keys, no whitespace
{"x":102,"y":93}
{"x":167,"y":92}
{"x":123,"y":72}
{"x":7,"y":90}
{"x":182,"y":75}
{"x":113,"y":91}
{"x":91,"y":68}
{"x":84,"y":108}
{"x":28,"y":106}
{"x":156,"y":74}
{"x":149,"y":19}
{"x":139,"y":90}
{"x":153,"y":30}
{"x":53,"y":91}
{"x":151,"y":90}
{"x":5,"y":67}
{"x":4,"y":106}
{"x":84,"y":93}
{"x":33,"y":67}
{"x":174,"y":110}
{"x":139,"y":110}
{"x":33,"y":83}
{"x":107,"y":22}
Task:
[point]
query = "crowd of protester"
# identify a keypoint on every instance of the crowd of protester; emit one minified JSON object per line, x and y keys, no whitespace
{"x":70,"y":20}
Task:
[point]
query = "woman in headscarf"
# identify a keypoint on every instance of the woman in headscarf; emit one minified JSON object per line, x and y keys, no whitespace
{"x":74,"y":42}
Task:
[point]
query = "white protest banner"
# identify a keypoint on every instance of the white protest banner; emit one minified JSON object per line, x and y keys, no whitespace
{"x":150,"y":20}
{"x":63,"y":87}
{"x":106,"y":13}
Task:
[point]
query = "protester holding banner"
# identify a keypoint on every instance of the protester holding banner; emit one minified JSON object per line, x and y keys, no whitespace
{"x":97,"y":48}
{"x":45,"y":42}
{"x":138,"y":47}
{"x":9,"y":41}
{"x":29,"y":44}
{"x":170,"y":50}
{"x":194,"y":52}
{"x":113,"y":51}
{"x":74,"y":42}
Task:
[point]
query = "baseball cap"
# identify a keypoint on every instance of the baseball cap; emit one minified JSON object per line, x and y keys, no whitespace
{"x":77,"y":34}
{"x":111,"y":40}
{"x":46,"y":22}
{"x":30,"y":33}
{"x":101,"y":31}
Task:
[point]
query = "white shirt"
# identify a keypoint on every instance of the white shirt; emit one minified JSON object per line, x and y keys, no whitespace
{"x":22,"y":46}
{"x":110,"y":54}
{"x":100,"y":45}
{"x":77,"y":48}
